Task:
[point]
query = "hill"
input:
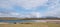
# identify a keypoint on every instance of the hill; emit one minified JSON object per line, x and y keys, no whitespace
{"x":14,"y":18}
{"x":9,"y":18}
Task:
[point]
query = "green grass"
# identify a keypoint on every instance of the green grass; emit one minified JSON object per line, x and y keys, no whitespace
{"x":31,"y":25}
{"x":24,"y":25}
{"x":53,"y":25}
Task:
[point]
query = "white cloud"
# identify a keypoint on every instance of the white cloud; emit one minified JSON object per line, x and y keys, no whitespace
{"x":27,"y":4}
{"x":31,"y":15}
{"x":5,"y":4}
{"x":14,"y":13}
{"x":36,"y":14}
{"x":54,"y":10}
{"x":10,"y":14}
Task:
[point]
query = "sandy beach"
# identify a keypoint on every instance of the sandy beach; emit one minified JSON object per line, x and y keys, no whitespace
{"x":42,"y":23}
{"x":4,"y":23}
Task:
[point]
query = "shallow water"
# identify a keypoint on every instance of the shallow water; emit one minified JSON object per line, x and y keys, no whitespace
{"x":22,"y":21}
{"x":16,"y":21}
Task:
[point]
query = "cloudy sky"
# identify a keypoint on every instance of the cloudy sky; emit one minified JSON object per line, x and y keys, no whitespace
{"x":29,"y":8}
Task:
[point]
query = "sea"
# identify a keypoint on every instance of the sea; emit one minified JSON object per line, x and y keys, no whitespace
{"x":12,"y":21}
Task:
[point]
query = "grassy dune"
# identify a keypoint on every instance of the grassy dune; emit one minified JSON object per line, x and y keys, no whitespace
{"x":31,"y":25}
{"x":24,"y":25}
{"x":53,"y":25}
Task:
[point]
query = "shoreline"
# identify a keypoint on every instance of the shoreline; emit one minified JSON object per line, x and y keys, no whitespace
{"x":44,"y":21}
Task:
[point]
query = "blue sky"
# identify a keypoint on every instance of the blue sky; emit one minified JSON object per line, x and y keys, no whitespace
{"x":29,"y":8}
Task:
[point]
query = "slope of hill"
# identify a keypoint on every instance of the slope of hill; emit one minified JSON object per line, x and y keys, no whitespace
{"x":14,"y":18}
{"x":9,"y":18}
